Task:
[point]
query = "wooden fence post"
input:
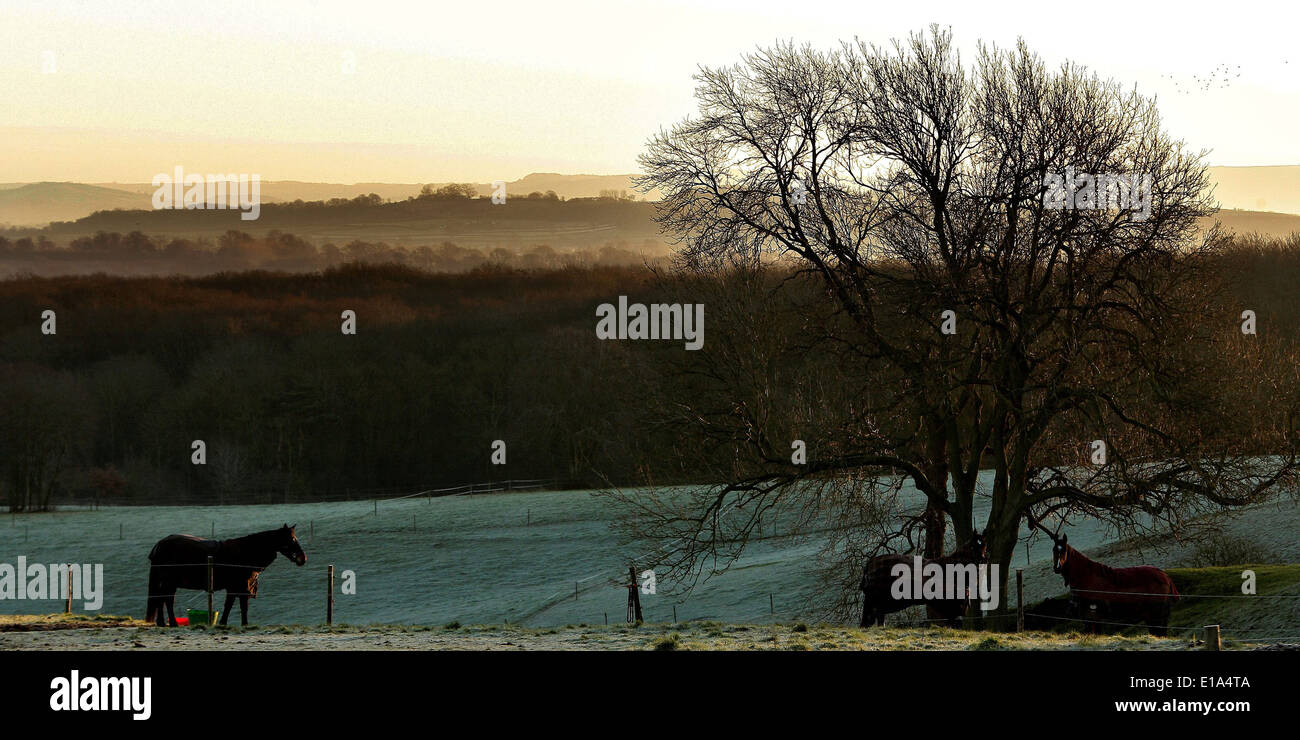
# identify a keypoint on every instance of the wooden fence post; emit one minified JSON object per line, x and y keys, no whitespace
{"x":1020,"y":599}
{"x":1212,"y":641}
{"x":211,"y":619}
{"x":329,"y":603}
{"x":633,"y":596}
{"x":67,"y":607}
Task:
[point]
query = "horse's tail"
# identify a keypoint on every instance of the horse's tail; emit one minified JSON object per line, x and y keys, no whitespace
{"x":1173,"y":590}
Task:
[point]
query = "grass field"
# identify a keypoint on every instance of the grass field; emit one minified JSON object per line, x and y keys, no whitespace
{"x":548,"y":559}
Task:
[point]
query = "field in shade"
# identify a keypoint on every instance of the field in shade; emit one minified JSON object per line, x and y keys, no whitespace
{"x":537,"y":559}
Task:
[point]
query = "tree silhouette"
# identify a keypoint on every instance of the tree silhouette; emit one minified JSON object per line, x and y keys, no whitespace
{"x":978,"y":327}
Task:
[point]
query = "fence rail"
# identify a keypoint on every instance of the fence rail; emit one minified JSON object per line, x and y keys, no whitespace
{"x":280,"y":496}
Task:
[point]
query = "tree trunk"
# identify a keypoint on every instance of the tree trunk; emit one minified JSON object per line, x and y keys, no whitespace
{"x":1002,"y":539}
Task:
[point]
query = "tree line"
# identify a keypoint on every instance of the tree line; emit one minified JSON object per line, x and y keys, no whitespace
{"x":136,"y":252}
{"x":255,"y":364}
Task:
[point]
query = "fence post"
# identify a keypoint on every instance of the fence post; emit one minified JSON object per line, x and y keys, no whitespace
{"x":1212,"y":641}
{"x":771,"y":606}
{"x":1020,"y":599}
{"x":633,"y":597}
{"x":67,"y":607}
{"x":211,"y":620}
{"x":329,"y":603}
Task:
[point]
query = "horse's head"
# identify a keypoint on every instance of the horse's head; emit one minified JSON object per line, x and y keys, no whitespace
{"x":1060,"y":551}
{"x":976,"y":550}
{"x":1060,"y":545}
{"x":289,"y":546}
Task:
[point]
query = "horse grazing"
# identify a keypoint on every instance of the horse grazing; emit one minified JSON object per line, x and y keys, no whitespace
{"x":878,"y":579}
{"x":1141,"y":594}
{"x":181,"y":561}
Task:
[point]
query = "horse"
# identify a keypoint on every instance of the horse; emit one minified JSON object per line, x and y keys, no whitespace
{"x":878,"y":579}
{"x":181,"y":561}
{"x":1137,"y":595}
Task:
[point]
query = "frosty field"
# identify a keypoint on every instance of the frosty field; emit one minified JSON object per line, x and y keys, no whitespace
{"x":484,"y":559}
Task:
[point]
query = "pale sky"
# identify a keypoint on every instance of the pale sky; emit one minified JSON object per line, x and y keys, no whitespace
{"x":493,"y":90}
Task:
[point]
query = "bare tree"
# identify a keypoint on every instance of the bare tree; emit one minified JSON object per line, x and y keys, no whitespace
{"x":973,"y":323}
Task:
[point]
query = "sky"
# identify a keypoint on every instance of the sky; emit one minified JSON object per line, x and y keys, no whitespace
{"x":380,"y":91}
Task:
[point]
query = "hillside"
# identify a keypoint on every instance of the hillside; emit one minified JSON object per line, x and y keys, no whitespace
{"x":519,"y":223}
{"x":43,"y":202}
{"x":287,"y":191}
{"x":1253,"y":197}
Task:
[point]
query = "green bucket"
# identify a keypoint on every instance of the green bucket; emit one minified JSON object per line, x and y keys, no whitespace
{"x":200,"y":617}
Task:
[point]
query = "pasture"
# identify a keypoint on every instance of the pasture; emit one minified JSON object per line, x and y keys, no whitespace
{"x":547,"y":559}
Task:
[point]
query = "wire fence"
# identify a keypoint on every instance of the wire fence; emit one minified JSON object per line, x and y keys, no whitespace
{"x":283,"y":496}
{"x":616,"y":575}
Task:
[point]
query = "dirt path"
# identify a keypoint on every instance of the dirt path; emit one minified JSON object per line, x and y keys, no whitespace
{"x":43,"y":633}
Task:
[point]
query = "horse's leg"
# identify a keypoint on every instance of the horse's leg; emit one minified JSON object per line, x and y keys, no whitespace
{"x":230,"y":603}
{"x":157,"y":589}
{"x":1160,"y":624}
{"x":170,"y":601}
{"x":243,"y":610}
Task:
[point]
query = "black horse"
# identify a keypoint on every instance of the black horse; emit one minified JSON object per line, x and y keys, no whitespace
{"x":878,"y":580}
{"x":181,"y":561}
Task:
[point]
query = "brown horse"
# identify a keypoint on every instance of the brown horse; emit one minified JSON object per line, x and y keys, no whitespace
{"x":1141,"y":594}
{"x":878,"y":579}
{"x":181,"y":561}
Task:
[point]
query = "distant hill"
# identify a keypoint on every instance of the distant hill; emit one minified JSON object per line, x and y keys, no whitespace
{"x":520,"y":223}
{"x":1268,"y":224}
{"x":1264,"y":199}
{"x":285,"y":191}
{"x":38,"y":203}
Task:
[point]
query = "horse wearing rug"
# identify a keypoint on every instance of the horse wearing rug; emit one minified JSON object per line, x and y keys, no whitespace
{"x":181,"y":561}
{"x":1141,"y":594}
{"x":878,"y":580}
